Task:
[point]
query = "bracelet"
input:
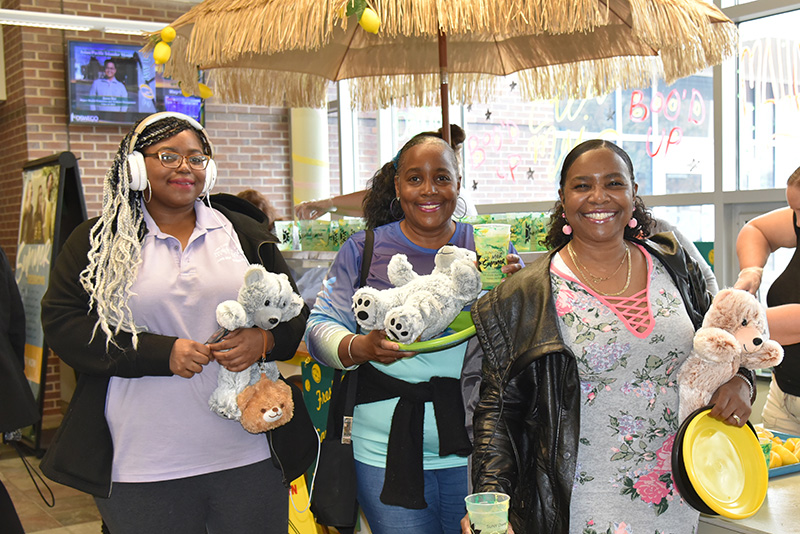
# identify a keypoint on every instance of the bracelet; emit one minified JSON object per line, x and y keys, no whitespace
{"x":746,"y":381}
{"x":350,"y":346}
{"x":264,"y":351}
{"x":757,"y":270}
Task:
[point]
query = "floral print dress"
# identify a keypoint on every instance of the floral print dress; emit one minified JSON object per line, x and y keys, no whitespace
{"x":627,"y":358}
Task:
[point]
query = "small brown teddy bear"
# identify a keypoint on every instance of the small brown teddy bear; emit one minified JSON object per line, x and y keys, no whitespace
{"x":734,"y":334}
{"x":265,"y":405}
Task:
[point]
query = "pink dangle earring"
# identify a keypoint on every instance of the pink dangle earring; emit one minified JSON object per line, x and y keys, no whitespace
{"x":567,"y":229}
{"x":633,"y":223}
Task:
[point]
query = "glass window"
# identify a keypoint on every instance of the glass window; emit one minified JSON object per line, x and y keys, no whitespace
{"x":729,"y":3}
{"x":408,"y":122}
{"x":514,"y":148}
{"x":694,"y":222}
{"x":367,"y":160}
{"x":769,"y":100}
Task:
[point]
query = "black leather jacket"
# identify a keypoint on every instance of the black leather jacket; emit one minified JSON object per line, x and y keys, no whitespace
{"x":527,"y":420}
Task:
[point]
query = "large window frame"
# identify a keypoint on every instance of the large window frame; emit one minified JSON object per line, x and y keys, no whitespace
{"x":732,"y":208}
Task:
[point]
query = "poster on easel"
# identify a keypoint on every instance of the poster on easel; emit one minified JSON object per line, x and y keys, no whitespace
{"x":52,"y":206}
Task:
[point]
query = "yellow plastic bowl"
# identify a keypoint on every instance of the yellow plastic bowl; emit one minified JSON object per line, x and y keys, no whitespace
{"x":725,"y":465}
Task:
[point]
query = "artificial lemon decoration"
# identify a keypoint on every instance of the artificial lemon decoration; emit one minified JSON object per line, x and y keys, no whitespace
{"x":205,"y":91}
{"x":370,"y":20}
{"x":168,"y":34}
{"x":161,"y":53}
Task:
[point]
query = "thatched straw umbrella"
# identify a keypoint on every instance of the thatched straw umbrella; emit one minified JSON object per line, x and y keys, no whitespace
{"x":286,"y":52}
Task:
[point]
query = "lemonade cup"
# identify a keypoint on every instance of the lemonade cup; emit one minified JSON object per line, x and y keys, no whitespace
{"x":488,"y":512}
{"x":314,"y":234}
{"x":491,"y":246}
{"x":284,"y":231}
{"x":766,"y":448}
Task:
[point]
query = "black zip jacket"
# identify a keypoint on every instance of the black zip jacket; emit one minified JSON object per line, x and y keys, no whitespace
{"x":82,"y":451}
{"x":527,"y":421}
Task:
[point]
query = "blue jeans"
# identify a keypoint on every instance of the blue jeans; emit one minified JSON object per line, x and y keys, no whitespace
{"x":445,"y":490}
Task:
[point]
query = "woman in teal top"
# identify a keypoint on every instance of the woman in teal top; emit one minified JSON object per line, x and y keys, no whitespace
{"x":411,"y":467}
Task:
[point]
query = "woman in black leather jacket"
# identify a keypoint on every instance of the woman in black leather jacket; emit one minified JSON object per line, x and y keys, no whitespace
{"x":578,"y":401}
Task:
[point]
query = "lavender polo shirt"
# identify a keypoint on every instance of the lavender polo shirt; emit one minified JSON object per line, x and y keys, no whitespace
{"x":161,"y":426}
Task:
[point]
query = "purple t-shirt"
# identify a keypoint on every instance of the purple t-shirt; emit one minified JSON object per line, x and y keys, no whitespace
{"x":161,"y":426}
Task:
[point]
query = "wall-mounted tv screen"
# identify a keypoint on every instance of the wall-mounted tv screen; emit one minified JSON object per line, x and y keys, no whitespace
{"x":118,"y":84}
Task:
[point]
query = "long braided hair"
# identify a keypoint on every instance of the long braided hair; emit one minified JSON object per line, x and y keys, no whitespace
{"x":116,"y":238}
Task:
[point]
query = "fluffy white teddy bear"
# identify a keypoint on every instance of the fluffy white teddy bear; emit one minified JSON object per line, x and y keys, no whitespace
{"x":265,"y":299}
{"x":734,"y":334}
{"x":420,"y":307}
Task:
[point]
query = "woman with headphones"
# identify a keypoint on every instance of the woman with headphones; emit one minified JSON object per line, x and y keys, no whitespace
{"x":130,"y":305}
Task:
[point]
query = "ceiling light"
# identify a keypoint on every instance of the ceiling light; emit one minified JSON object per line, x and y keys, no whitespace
{"x":15,"y":17}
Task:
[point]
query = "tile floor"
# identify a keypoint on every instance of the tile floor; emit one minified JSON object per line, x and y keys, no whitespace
{"x":74,"y":512}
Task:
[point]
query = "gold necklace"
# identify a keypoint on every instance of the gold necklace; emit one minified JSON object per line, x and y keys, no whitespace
{"x":587,"y":275}
{"x":585,"y":271}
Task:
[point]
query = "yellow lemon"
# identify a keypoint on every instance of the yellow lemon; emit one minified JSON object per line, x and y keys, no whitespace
{"x":161,"y":53}
{"x":168,"y":34}
{"x":370,"y":21}
{"x":205,"y":91}
{"x":787,"y":456}
{"x":791,"y":444}
{"x":774,"y":460}
{"x":760,"y":430}
{"x":184,"y":92}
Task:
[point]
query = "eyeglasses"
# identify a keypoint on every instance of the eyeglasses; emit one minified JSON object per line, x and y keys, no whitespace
{"x":171,"y":160}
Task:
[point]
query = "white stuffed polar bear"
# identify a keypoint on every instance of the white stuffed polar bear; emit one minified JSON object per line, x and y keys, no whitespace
{"x":420,"y":307}
{"x":265,"y":299}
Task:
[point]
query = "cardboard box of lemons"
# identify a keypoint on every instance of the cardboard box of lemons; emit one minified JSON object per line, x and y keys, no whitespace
{"x":787,"y":456}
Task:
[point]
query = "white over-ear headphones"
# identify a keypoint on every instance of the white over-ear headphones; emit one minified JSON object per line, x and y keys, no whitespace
{"x":136,"y":166}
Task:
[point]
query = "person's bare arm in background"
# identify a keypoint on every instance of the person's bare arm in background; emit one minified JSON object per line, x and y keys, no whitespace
{"x":349,"y":204}
{"x":784,"y":323}
{"x":757,"y":240}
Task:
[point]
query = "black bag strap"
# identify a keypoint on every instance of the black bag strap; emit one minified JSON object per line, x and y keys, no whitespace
{"x":350,"y":381}
{"x":366,"y":256}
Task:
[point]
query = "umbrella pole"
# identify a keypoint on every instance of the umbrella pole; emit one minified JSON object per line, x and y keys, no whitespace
{"x":444,"y":87}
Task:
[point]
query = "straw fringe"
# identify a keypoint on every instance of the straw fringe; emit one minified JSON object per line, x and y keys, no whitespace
{"x":258,"y":26}
{"x":575,"y":80}
{"x":690,"y":36}
{"x":269,"y":88}
{"x":427,"y":17}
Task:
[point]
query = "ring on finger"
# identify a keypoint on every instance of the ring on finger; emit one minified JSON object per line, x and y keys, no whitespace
{"x":736,"y":417}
